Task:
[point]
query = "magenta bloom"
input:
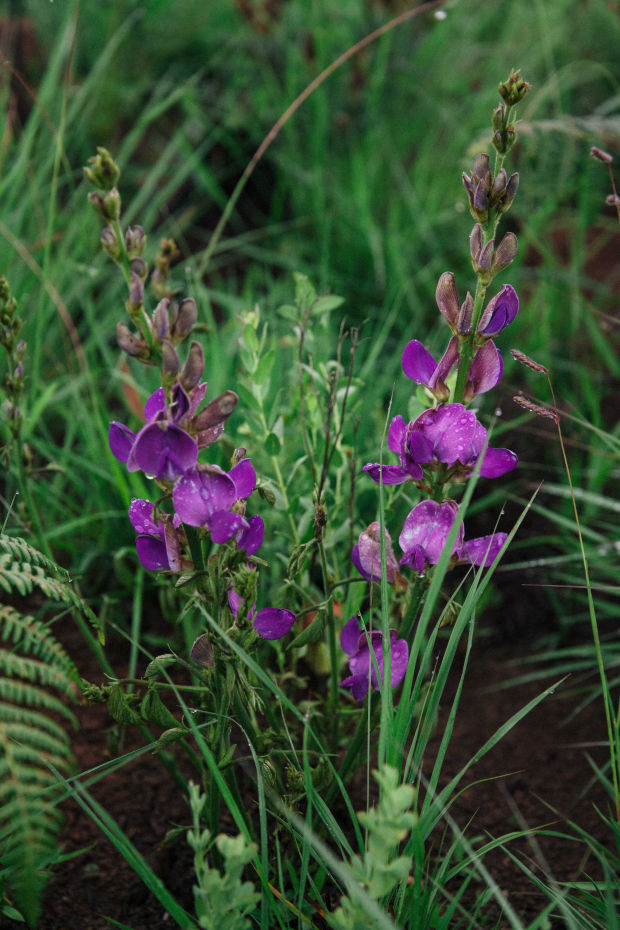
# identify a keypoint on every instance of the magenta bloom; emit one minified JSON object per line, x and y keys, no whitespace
{"x":448,"y":434}
{"x":484,"y":373}
{"x":270,"y":622}
{"x":205,"y":495}
{"x":362,"y":667}
{"x":366,"y":555}
{"x":426,"y":530}
{"x":157,"y":544}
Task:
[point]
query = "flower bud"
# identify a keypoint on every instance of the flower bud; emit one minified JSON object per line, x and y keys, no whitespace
{"x":194,"y":367}
{"x":447,"y":299}
{"x":103,"y":171}
{"x":184,"y":319}
{"x":110,"y":242}
{"x":136,"y":294}
{"x":108,"y":205}
{"x":132,"y":345}
{"x":135,"y":240}
{"x":139,"y":267}
{"x":465,"y":316}
{"x":514,"y":89}
{"x":505,"y":252}
{"x":170,"y":363}
{"x":161,"y":320}
{"x":509,"y":193}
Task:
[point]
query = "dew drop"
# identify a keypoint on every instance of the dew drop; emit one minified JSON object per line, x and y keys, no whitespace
{"x":440,"y":14}
{"x":502,"y":512}
{"x":498,"y":411}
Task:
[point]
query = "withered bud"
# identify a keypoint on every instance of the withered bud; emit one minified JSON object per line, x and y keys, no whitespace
{"x":132,"y":345}
{"x":194,"y":367}
{"x":161,"y":321}
{"x":600,"y":155}
{"x":218,"y":410}
{"x":184,"y":320}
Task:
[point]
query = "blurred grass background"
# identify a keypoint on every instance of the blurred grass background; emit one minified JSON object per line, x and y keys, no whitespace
{"x":361,"y":191}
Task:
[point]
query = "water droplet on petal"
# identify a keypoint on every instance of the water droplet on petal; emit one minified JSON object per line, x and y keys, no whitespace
{"x":498,"y":411}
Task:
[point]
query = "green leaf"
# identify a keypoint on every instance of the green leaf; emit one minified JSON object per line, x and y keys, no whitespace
{"x":326,"y":304}
{"x":263,"y":370}
{"x":312,"y":633}
{"x":272,"y":444}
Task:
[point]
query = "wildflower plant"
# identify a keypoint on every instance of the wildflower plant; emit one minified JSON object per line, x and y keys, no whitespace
{"x":201,"y":526}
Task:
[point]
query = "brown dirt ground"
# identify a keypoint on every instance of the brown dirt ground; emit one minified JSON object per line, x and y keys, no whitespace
{"x":541,"y":762}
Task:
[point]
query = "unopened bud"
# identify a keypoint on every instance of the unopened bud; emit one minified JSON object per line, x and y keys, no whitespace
{"x":102,"y":170}
{"x":136,"y":293}
{"x":514,"y":89}
{"x":465,"y":316}
{"x":110,"y":242}
{"x":170,"y":363}
{"x":238,"y":455}
{"x":132,"y":345}
{"x":510,"y":192}
{"x":139,"y":267}
{"x":161,"y":320}
{"x":184,"y":320}
{"x":135,"y":240}
{"x":194,"y":367}
{"x":108,"y":205}
{"x":505,"y":252}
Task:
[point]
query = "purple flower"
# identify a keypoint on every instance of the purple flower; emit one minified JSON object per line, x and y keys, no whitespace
{"x":448,"y":434}
{"x":270,"y":622}
{"x":499,"y":312}
{"x":205,"y":495}
{"x":157,"y":544}
{"x":484,"y":373}
{"x":426,"y":530}
{"x":362,"y":665}
{"x":366,"y":555}
{"x":452,"y":435}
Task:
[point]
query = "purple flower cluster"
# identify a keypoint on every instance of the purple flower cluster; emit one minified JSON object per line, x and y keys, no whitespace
{"x":203,"y":495}
{"x":487,"y":367}
{"x":446,"y":435}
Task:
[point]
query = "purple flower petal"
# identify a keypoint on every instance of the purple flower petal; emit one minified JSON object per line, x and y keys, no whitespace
{"x":418,"y":363}
{"x":164,"y":450}
{"x":497,"y":462}
{"x":428,"y":526}
{"x":273,"y":622}
{"x":349,"y":635}
{"x":152,"y":553}
{"x":358,"y":685}
{"x":198,"y":495}
{"x":141,"y":516}
{"x":355,"y":558}
{"x":244,"y":476}
{"x":120,"y":440}
{"x":396,"y":434}
{"x":483,"y":550}
{"x":369,"y":554}
{"x":446,"y":364}
{"x":251,"y":538}
{"x":223,"y":525}
{"x":487,"y":368}
{"x":499,"y":312}
{"x":155,"y":403}
{"x":390,"y":474}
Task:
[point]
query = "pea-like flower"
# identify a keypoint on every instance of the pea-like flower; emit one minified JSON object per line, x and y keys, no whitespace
{"x":485,"y":371}
{"x":426,"y":530}
{"x":269,"y":622}
{"x":366,"y":554}
{"x":364,"y":667}
{"x":158,"y":544}
{"x":205,"y":495}
{"x":448,"y":435}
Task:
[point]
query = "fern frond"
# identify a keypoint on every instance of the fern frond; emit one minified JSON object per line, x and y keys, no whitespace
{"x":24,"y":569}
{"x":37,"y":680}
